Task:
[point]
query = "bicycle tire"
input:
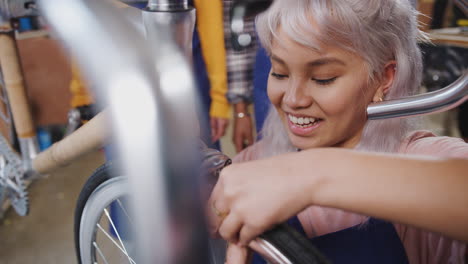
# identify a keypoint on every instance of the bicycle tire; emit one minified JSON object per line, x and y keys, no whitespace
{"x":97,"y":178}
{"x":292,"y":245}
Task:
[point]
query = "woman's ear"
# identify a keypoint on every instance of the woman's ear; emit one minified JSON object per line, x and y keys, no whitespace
{"x":386,"y":81}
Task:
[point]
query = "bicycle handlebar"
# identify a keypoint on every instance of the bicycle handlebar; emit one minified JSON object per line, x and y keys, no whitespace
{"x":433,"y":102}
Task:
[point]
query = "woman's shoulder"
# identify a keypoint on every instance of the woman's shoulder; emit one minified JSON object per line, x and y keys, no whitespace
{"x":427,"y":143}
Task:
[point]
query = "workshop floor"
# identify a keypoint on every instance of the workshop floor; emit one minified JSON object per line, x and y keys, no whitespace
{"x":45,"y":236}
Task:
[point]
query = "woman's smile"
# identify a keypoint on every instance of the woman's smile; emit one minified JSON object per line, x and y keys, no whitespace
{"x":303,"y":125}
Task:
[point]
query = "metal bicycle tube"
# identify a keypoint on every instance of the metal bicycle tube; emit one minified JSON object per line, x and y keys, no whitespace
{"x":15,"y":86}
{"x":130,"y":72}
{"x":132,"y":15}
{"x":89,"y":137}
{"x":269,"y":252}
{"x":179,"y":102}
{"x":438,"y":101}
{"x":167,"y":5}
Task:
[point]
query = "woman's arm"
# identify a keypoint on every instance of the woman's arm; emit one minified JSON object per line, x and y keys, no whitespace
{"x":430,"y":194}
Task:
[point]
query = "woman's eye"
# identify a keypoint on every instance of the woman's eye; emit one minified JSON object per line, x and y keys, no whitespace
{"x":279,"y":76}
{"x":324,"y":81}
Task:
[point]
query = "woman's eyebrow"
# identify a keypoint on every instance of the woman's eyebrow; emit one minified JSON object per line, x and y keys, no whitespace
{"x":315,"y":63}
{"x":323,"y":61}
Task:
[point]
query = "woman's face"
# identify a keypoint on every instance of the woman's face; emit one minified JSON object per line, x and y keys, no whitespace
{"x":321,"y":97}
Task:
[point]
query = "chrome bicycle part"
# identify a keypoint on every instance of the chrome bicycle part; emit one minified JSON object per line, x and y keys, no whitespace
{"x":167,"y":5}
{"x":271,"y":253}
{"x":433,"y":102}
{"x":74,"y":121}
{"x":11,"y":178}
{"x":19,"y":197}
{"x":213,"y":161}
{"x":29,"y":148}
{"x":5,"y":116}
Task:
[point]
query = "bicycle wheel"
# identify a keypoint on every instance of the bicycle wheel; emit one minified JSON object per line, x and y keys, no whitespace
{"x":101,"y":220}
{"x":99,"y":238}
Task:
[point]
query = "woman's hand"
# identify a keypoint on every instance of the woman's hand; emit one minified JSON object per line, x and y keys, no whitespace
{"x":252,"y":197}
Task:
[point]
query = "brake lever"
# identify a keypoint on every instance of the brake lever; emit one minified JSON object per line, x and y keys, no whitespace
{"x":212,"y":162}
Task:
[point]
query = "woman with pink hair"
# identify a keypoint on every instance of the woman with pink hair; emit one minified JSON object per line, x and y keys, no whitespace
{"x":327,"y":170}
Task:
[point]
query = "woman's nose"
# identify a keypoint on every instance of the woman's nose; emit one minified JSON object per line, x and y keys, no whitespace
{"x":296,"y":96}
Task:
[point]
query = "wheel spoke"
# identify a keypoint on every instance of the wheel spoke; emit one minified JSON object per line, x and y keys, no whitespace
{"x":125,"y":211}
{"x":115,"y":243}
{"x":100,"y":252}
{"x":116,"y":232}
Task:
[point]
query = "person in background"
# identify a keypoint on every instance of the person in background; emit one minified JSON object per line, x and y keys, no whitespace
{"x":240,"y":65}
{"x":248,"y":71}
{"x":209,"y":55}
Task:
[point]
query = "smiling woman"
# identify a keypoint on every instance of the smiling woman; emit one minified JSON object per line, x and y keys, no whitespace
{"x":314,"y":91}
{"x":330,"y":60}
{"x":370,"y":39}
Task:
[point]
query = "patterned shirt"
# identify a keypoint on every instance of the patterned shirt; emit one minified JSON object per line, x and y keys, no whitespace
{"x":239,"y":64}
